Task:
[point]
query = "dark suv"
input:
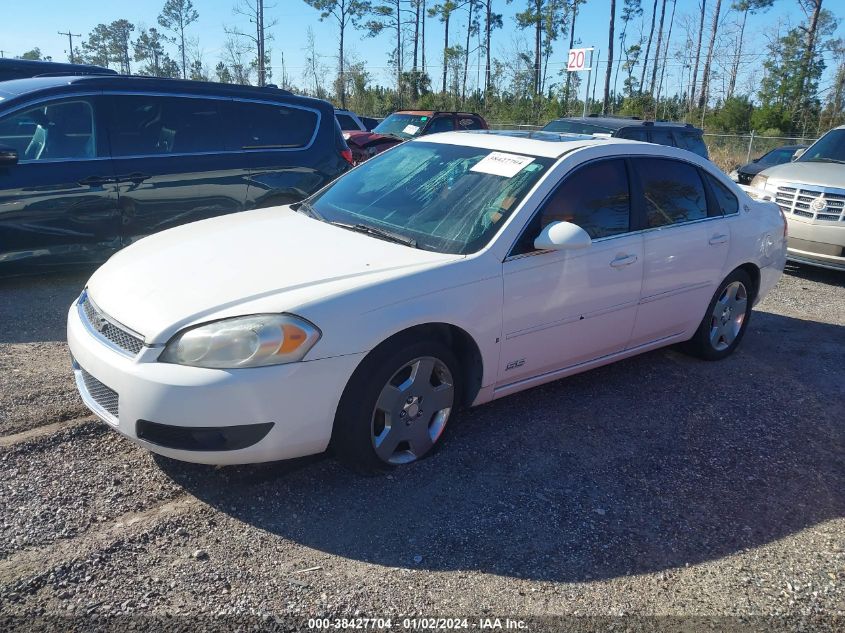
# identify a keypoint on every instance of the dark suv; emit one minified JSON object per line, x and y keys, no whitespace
{"x":90,"y":164}
{"x":683,"y":135}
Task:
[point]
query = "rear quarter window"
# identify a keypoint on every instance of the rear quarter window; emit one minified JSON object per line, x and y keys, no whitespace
{"x":273,"y":126}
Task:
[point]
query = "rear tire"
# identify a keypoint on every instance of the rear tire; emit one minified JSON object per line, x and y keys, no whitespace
{"x":726,"y":319}
{"x":396,"y":406}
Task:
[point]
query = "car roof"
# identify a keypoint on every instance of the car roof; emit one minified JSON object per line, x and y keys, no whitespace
{"x":520,"y":142}
{"x":433,"y":112}
{"x":19,"y":87}
{"x":42,"y":66}
{"x":617,"y":123}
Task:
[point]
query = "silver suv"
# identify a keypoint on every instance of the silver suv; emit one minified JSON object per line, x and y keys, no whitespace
{"x":811,"y":192}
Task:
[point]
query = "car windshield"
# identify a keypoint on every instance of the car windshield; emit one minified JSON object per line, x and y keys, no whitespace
{"x":776,"y":157}
{"x":444,"y":198}
{"x":830,"y":148}
{"x":402,"y":125}
{"x":575,"y":127}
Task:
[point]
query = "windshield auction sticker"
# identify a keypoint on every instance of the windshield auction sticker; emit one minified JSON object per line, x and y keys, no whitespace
{"x":411,"y":129}
{"x":502,"y":164}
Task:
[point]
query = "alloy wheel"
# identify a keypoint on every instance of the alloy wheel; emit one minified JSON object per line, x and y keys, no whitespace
{"x":728,"y":315}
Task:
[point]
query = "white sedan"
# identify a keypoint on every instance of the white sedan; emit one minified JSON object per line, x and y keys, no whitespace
{"x":445,"y":273}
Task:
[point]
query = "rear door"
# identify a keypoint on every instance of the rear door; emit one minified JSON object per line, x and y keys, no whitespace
{"x":288,"y":158}
{"x":173,"y":162}
{"x":686,"y":246}
{"x":58,"y":204}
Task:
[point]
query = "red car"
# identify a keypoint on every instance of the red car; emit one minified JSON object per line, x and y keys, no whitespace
{"x":407,"y":124}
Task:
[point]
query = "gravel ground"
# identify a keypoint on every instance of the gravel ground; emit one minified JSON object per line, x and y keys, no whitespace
{"x":658,"y":486}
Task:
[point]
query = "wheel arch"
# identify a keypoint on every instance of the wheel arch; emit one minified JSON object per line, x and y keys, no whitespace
{"x":753,"y":271}
{"x":461,"y":342}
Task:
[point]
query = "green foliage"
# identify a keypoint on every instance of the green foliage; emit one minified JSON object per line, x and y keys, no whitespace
{"x":35,"y":54}
{"x":734,"y":115}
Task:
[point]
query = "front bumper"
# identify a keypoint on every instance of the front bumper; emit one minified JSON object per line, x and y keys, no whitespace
{"x":299,"y":399}
{"x":816,"y":244}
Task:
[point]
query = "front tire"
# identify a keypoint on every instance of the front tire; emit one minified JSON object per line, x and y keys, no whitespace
{"x":396,"y":406}
{"x":726,"y":320}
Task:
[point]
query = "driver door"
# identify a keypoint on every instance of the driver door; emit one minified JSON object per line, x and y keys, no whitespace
{"x":567,"y":307}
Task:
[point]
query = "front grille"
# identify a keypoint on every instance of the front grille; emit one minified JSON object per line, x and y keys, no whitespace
{"x":99,"y":393}
{"x":798,"y":199}
{"x":107,"y":330}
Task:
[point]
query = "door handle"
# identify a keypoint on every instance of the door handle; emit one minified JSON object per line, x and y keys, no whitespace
{"x":95,"y":181}
{"x":718,"y":239}
{"x":136,"y":178}
{"x":623,"y":260}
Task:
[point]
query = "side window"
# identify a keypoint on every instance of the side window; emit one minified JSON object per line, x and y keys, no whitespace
{"x":725,"y":199}
{"x":673,"y":191}
{"x":634,"y":133}
{"x":63,"y":129}
{"x":594,"y":197}
{"x":441,"y":124}
{"x":691,"y":141}
{"x":662,"y":137}
{"x":469,"y":123}
{"x":273,"y":126}
{"x":148,"y":125}
{"x":346,"y":122}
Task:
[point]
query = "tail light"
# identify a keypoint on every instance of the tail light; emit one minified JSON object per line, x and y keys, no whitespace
{"x":347,"y":155}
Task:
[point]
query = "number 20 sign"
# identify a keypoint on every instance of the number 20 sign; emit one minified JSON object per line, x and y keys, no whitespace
{"x":577,"y":59}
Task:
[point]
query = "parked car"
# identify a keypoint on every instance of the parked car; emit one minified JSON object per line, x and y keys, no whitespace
{"x":778,"y":156}
{"x":90,"y":164}
{"x":349,"y":121}
{"x":23,"y":68}
{"x":408,"y":124}
{"x":453,"y":270}
{"x":811,"y":192}
{"x":683,"y":135}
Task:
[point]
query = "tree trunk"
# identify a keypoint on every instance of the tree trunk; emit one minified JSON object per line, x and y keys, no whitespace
{"x":182,"y":50}
{"x":341,"y":78}
{"x":487,"y":78}
{"x":648,"y":46}
{"x":470,"y":9}
{"x":666,"y":51}
{"x":416,"y":34}
{"x":811,"y":45}
{"x":609,"y":70}
{"x":571,"y":44}
{"x":705,"y":76}
{"x":657,"y":49}
{"x":422,"y":40}
{"x":399,"y":51}
{"x":697,"y":55}
{"x":538,"y":39}
{"x":445,"y":51}
{"x":735,"y":65}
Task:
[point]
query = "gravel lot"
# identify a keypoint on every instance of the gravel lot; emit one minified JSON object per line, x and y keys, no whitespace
{"x":658,"y":486}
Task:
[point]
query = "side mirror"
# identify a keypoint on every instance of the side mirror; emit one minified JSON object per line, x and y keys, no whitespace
{"x":798,"y":153}
{"x":560,"y":236}
{"x":8,"y":156}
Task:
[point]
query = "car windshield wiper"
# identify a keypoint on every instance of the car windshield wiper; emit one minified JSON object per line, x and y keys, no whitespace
{"x":308,"y":209}
{"x":824,"y":160}
{"x":379,"y":233}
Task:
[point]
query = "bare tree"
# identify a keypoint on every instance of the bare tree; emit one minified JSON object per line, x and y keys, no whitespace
{"x":705,"y":76}
{"x":345,"y":13}
{"x":176,"y":16}
{"x":444,"y":12}
{"x":697,"y":55}
{"x":666,"y":50}
{"x":491,"y":21}
{"x":648,"y":45}
{"x":253,"y":10}
{"x":314,"y":68}
{"x":657,"y":49}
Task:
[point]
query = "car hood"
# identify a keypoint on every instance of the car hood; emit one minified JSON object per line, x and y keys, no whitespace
{"x":269,"y":260}
{"x":809,"y":173}
{"x":363,"y":139}
{"x":752,"y":169}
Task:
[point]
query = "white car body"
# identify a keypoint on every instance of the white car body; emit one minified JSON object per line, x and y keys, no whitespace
{"x":534,"y":318}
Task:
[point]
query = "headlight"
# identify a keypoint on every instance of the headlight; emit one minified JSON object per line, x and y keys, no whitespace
{"x":759,"y":181}
{"x":734,"y":175}
{"x":251,"y":341}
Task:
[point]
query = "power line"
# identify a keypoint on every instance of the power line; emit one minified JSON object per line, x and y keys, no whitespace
{"x":70,"y":37}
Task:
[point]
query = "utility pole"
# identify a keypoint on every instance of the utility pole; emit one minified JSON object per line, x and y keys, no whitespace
{"x":70,"y":37}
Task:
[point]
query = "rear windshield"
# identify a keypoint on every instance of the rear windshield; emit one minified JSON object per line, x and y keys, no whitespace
{"x":575,"y":127}
{"x":404,"y":126}
{"x":691,"y":141}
